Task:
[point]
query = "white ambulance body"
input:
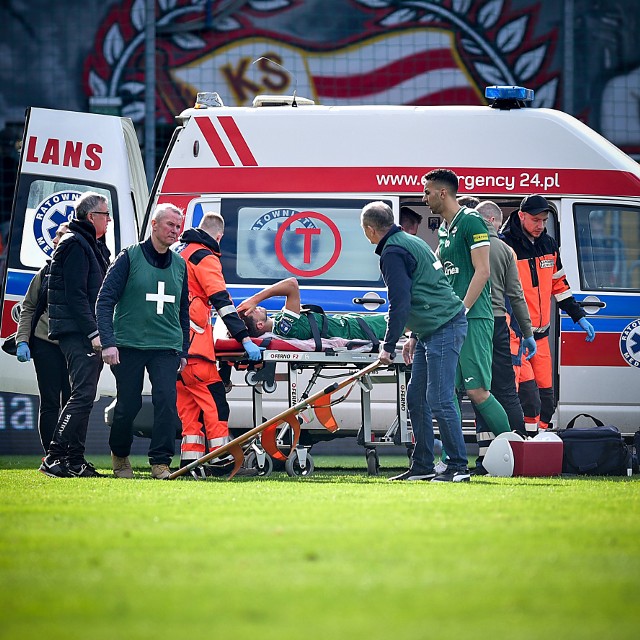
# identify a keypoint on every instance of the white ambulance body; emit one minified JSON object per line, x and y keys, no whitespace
{"x":290,"y":183}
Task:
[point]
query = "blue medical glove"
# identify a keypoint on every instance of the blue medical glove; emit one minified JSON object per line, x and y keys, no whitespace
{"x":530,"y":347}
{"x":587,"y":327}
{"x":22,"y":352}
{"x":253,"y":350}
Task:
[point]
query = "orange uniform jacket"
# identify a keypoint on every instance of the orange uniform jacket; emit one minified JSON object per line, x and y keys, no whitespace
{"x":207,"y":289}
{"x":201,"y":394}
{"x":542,"y":276}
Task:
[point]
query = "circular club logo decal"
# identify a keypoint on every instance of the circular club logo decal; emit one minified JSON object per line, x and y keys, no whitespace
{"x":261,"y":245}
{"x":50,"y":214}
{"x":307,"y":234}
{"x":630,"y":343}
{"x":305,"y":243}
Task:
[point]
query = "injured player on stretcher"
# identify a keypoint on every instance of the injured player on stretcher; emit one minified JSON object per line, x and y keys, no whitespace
{"x":296,"y":321}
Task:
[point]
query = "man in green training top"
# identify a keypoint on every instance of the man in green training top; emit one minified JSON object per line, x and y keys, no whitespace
{"x":422,"y":299}
{"x":290,"y":322}
{"x":464,"y":252}
{"x":143,"y":320}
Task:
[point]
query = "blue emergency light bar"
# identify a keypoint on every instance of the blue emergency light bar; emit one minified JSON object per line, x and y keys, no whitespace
{"x":508,"y":97}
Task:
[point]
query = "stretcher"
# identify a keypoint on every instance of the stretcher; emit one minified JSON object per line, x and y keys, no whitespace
{"x":303,"y":371}
{"x":320,"y":402}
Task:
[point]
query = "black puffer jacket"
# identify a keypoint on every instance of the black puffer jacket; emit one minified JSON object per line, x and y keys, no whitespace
{"x":77,"y":270}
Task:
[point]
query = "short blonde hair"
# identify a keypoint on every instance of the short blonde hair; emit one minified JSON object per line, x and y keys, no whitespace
{"x":212,"y":221}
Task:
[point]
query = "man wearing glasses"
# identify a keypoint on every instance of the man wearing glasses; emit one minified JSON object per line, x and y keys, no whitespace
{"x":78,"y":267}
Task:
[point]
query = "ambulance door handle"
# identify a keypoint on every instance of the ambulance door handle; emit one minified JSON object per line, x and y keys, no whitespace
{"x":592,"y":301}
{"x":369,"y":301}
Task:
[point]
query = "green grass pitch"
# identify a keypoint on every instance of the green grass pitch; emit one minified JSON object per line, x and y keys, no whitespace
{"x":338,"y":555}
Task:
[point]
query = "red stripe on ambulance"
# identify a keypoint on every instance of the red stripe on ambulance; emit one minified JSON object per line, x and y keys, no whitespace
{"x":9,"y":325}
{"x":238,"y":141}
{"x":590,"y":182}
{"x":215,"y":142}
{"x":217,"y":145}
{"x":604,"y":351}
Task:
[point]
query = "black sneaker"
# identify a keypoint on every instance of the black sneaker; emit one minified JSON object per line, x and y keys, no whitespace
{"x":412,"y":476}
{"x":246,"y":472}
{"x":221,"y":472}
{"x":217,"y":470}
{"x":85,"y":470}
{"x":479,"y":471}
{"x":453,"y":476}
{"x":57,"y":468}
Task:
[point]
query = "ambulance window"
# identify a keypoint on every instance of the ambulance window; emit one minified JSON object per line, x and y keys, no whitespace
{"x":317,"y":241}
{"x":49,"y":204}
{"x":608,"y":246}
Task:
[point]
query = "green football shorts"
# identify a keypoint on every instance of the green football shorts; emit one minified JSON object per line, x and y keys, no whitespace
{"x":476,"y":355}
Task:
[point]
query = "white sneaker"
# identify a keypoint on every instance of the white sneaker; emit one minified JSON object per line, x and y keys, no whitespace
{"x":412,"y":476}
{"x":453,"y":476}
{"x":440,"y":467}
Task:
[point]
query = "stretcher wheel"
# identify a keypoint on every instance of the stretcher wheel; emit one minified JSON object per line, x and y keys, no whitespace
{"x":373,"y":463}
{"x":293,"y":468}
{"x":269,"y":387}
{"x":250,"y":378}
{"x":251,"y":462}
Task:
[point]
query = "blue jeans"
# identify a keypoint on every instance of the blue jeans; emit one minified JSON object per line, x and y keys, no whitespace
{"x":431,"y":393}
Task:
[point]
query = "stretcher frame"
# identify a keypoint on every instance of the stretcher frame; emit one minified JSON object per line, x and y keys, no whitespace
{"x":319,"y":401}
{"x":264,"y":380}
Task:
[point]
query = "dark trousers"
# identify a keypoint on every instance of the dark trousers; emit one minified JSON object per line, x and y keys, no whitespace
{"x":224,"y":369}
{"x":503,"y":381}
{"x":84,"y":366}
{"x":162,"y":366}
{"x":53,"y":386}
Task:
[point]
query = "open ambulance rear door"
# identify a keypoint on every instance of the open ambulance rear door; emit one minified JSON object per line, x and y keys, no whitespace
{"x":601,"y":256}
{"x":63,"y":155}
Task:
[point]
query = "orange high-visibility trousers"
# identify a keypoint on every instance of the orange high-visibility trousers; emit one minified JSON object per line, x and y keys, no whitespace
{"x":536,"y":386}
{"x":202,"y":403}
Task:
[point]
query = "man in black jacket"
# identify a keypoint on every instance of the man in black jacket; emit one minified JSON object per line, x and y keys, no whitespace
{"x":77,"y":269}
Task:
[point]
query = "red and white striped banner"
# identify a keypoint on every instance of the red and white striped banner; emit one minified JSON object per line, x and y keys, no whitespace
{"x":415,"y":66}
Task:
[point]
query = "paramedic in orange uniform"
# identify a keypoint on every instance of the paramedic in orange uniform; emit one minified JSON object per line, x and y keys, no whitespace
{"x":200,"y":389}
{"x":542,"y":277}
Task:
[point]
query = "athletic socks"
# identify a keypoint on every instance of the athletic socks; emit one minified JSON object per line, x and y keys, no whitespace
{"x":494,"y":415}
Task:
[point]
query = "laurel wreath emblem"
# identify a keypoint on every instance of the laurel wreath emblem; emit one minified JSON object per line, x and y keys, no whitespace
{"x":493,"y":48}
{"x":118,"y":51}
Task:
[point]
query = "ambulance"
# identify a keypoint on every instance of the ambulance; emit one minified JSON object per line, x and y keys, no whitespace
{"x":290,"y":178}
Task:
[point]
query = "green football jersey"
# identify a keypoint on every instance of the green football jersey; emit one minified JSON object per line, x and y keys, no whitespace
{"x":466,"y":232}
{"x":289,"y":324}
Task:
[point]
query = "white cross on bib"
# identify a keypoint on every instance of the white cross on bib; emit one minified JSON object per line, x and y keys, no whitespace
{"x":159,"y":298}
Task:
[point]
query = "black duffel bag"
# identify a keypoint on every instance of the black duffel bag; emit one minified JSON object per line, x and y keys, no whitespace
{"x":10,"y":345}
{"x":595,"y":451}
